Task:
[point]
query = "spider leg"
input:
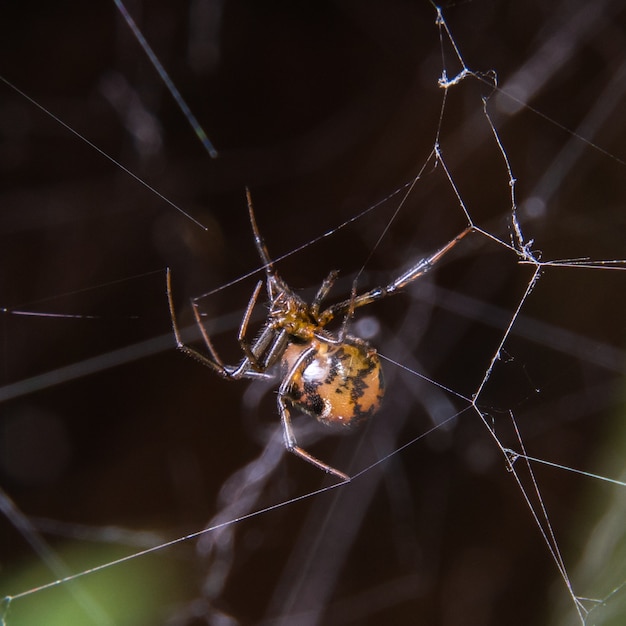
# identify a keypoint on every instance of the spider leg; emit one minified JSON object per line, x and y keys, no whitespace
{"x":258,"y":240}
{"x":213,"y":361}
{"x":322,"y":292}
{"x":274,"y":283}
{"x":289,"y":436}
{"x":425,"y":265}
{"x":419,"y":269}
{"x":268,"y":346}
{"x":276,"y":348}
{"x":245,"y":368}
{"x":343,"y":331}
{"x":252,"y":353}
{"x":292,"y":446}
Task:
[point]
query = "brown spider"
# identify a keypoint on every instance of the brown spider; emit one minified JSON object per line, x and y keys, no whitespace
{"x":335,"y":377}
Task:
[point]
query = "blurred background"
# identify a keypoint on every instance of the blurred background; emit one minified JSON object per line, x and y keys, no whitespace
{"x":112,"y":441}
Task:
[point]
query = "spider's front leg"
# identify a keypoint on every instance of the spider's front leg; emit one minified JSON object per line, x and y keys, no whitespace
{"x":399,"y":283}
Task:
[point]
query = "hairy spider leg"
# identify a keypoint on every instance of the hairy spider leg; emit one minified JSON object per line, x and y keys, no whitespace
{"x":289,"y":436}
{"x":275,"y":284}
{"x":322,"y":292}
{"x":242,"y":370}
{"x":275,"y":287}
{"x":252,"y":352}
{"x":406,"y":278}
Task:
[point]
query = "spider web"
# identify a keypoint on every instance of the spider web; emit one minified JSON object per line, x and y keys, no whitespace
{"x":489,"y":489}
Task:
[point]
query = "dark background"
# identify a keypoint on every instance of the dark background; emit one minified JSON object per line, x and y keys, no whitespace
{"x":323,"y":110}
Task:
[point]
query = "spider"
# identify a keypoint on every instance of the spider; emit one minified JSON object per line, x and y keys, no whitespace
{"x":335,"y":377}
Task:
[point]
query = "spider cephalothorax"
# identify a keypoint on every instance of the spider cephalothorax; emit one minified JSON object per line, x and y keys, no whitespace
{"x":335,"y":377}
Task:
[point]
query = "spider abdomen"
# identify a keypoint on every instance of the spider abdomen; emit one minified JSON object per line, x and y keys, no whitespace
{"x":338,"y":384}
